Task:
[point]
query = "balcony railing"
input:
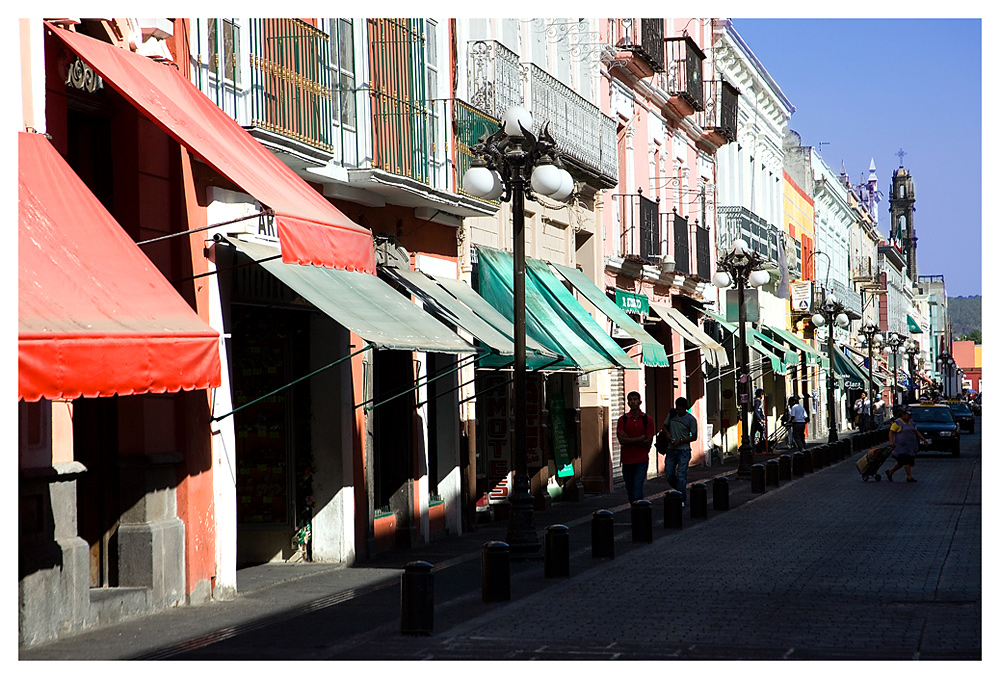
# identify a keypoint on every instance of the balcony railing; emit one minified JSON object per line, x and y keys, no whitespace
{"x":703,"y":253}
{"x":643,"y":37}
{"x":640,"y":227}
{"x":739,"y":222}
{"x":584,"y":134}
{"x":290,"y":81}
{"x":721,"y":106}
{"x":470,"y":125}
{"x":684,"y":71}
{"x":494,"y":77}
{"x":681,"y":242}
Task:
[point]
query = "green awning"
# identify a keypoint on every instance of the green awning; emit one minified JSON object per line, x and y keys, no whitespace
{"x":360,"y":302}
{"x":536,"y":355}
{"x":653,"y":353}
{"x":791,"y":339}
{"x":848,"y":372}
{"x":713,"y":352}
{"x":861,"y":363}
{"x":913,"y":325}
{"x":754,"y":341}
{"x":557,"y":320}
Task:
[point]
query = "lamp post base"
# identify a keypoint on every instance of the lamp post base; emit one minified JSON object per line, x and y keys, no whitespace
{"x":833,"y":437}
{"x":521,"y":536}
{"x":746,"y":461}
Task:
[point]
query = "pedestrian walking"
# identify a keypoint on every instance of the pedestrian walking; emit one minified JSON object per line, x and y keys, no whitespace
{"x":863,"y":409}
{"x":903,"y":437}
{"x":878,"y":412}
{"x":799,"y":418}
{"x":681,"y":429}
{"x":786,"y":422}
{"x":757,"y":428}
{"x":635,"y":434}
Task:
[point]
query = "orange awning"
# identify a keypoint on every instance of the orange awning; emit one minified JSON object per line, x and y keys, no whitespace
{"x":311,"y":229}
{"x":95,"y":316}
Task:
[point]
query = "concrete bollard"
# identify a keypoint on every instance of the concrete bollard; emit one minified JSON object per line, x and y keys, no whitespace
{"x":757,"y":478}
{"x":771,"y":472}
{"x":720,"y":494}
{"x":557,"y":551}
{"x":416,"y":614}
{"x":496,"y":571}
{"x":798,"y":464}
{"x":672,"y":509}
{"x":642,"y":521}
{"x":698,"y":494}
{"x":785,"y":468}
{"x":602,"y":534}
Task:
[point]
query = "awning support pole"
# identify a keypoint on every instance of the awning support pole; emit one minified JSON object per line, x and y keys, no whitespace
{"x":263,"y":213}
{"x":368,"y":346}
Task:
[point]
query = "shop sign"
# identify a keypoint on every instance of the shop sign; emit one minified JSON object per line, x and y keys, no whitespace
{"x":632,"y":303}
{"x":801,"y":294}
{"x":560,"y":437}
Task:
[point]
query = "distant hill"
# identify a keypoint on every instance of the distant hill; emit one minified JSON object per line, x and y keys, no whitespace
{"x":966,"y":314}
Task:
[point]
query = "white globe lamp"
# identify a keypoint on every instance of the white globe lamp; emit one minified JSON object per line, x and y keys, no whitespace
{"x":514,"y":119}
{"x":545,"y":179}
{"x":479,"y":181}
{"x":565,"y":187}
{"x":759,"y":278}
{"x":721,"y":279}
{"x":739,"y":247}
{"x":818,"y":320}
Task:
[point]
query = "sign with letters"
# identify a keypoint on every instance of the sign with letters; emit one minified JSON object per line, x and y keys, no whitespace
{"x":632,"y":303}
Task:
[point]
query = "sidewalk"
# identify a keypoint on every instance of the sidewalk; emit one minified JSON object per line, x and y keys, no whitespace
{"x":360,"y":603}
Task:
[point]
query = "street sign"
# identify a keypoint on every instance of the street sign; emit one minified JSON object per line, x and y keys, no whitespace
{"x":632,"y":303}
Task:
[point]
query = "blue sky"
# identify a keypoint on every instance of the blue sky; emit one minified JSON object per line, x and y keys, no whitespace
{"x":871,"y":87}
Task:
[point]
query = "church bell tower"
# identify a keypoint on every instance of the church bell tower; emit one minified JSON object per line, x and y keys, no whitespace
{"x":902,"y":232}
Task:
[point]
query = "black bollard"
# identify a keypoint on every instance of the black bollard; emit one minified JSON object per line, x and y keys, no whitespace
{"x":817,"y":457}
{"x":798,"y":464}
{"x":757,"y":478}
{"x":771,"y":472}
{"x":557,"y":551}
{"x":602,"y":534}
{"x":807,"y":462}
{"x":720,"y":494}
{"x":642,"y":521}
{"x":672,"y":509}
{"x":417,"y":599}
{"x":785,"y":467}
{"x":698,"y":493}
{"x":496,"y":571}
{"x":847,"y":450}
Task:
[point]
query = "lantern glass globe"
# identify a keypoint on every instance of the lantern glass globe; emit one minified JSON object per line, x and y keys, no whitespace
{"x":514,"y":119}
{"x":497,"y":187}
{"x":479,"y":181}
{"x":565,"y":187}
{"x":818,"y":320}
{"x":842,"y":320}
{"x":759,"y":278}
{"x":545,"y":179}
{"x":877,"y":338}
{"x":739,"y":247}
{"x":721,"y":279}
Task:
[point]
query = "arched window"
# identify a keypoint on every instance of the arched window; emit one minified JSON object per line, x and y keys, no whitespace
{"x":902,"y":190}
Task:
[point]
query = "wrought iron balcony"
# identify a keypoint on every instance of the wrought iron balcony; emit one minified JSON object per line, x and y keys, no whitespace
{"x":681,"y":243}
{"x":584,"y":134}
{"x":470,"y":125}
{"x":640,"y":226}
{"x":684,"y":71}
{"x":291,"y":92}
{"x":720,"y":116}
{"x":643,"y":37}
{"x":739,"y":222}
{"x":494,"y":77}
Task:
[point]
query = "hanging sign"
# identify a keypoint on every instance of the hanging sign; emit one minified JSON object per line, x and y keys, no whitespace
{"x":801,"y":295}
{"x":632,"y":303}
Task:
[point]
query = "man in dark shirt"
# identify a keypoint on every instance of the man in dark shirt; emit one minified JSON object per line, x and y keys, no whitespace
{"x":757,"y":427}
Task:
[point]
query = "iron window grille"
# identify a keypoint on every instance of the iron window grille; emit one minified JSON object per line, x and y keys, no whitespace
{"x":684,"y":71}
{"x":682,"y":253}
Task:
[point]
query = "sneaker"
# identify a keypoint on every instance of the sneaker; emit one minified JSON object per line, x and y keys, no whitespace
{"x":888,"y":476}
{"x":911,"y":480}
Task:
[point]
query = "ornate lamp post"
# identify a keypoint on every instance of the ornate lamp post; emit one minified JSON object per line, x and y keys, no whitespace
{"x":510,"y":165}
{"x":831,"y":313}
{"x":911,"y":354}
{"x":872,"y":338}
{"x":741,"y":265}
{"x":893,"y":343}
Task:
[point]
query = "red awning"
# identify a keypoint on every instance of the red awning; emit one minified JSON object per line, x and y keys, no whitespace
{"x":311,"y":229}
{"x":95,"y":316}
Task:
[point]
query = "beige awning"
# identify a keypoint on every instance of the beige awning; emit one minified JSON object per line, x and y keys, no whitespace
{"x":714,"y":352}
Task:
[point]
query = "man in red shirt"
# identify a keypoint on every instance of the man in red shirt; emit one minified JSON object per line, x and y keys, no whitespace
{"x":635,"y":434}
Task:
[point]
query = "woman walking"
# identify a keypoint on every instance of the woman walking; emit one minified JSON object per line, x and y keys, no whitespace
{"x":903,"y":437}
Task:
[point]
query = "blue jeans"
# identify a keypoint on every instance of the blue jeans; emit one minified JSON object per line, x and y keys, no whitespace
{"x":634,"y":476}
{"x":676,"y":466}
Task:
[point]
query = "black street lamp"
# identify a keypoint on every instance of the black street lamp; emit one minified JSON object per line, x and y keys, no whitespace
{"x":741,"y":266}
{"x":893,"y":343}
{"x":872,"y":338}
{"x":831,"y":313}
{"x":911,"y":354}
{"x":510,"y":164}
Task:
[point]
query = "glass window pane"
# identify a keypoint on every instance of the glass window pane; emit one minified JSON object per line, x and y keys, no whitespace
{"x":213,"y":44}
{"x":347,"y":100}
{"x":432,"y":44}
{"x":346,"y":45}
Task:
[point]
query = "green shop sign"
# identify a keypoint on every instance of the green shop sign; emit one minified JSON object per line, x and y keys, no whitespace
{"x":632,"y":303}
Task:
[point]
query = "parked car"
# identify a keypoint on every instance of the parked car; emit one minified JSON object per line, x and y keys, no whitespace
{"x":964,"y":415}
{"x":939,"y":426}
